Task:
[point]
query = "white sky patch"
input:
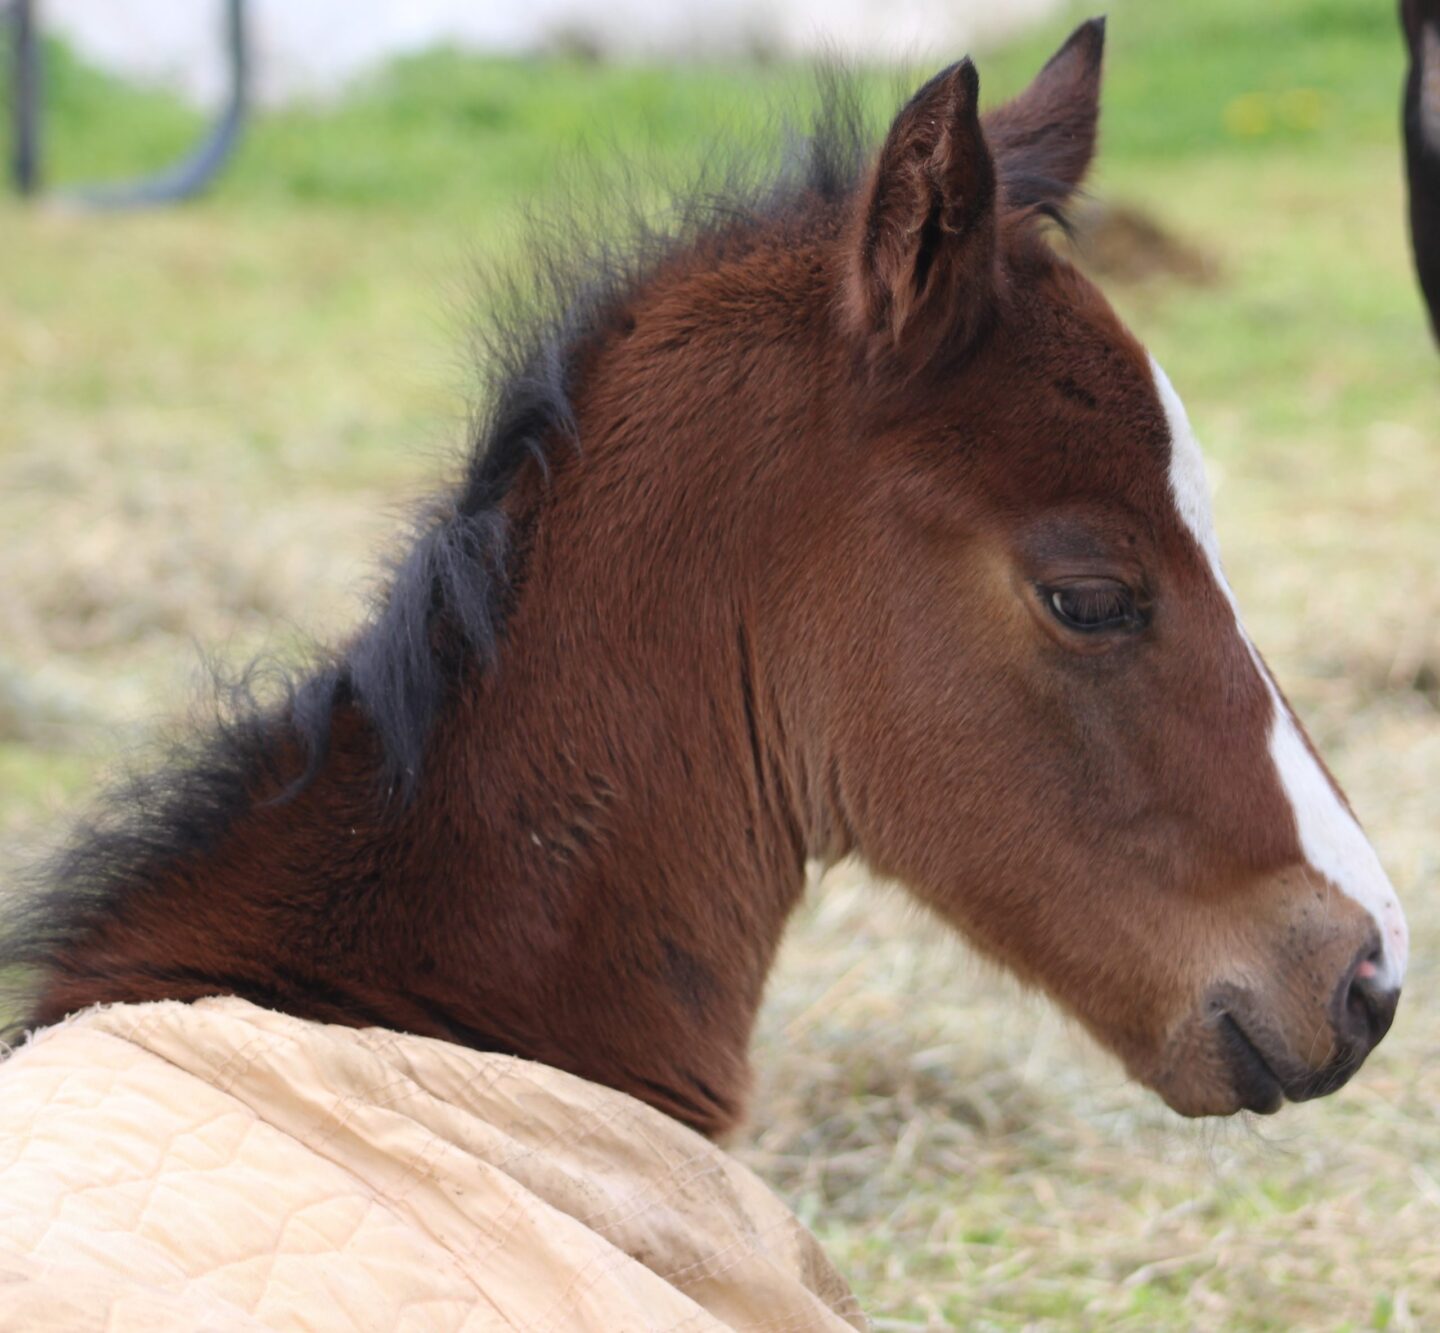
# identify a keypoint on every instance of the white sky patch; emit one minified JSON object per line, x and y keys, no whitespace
{"x":1332,"y":841}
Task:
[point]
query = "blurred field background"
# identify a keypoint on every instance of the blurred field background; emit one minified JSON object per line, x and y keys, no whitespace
{"x":212,"y":419}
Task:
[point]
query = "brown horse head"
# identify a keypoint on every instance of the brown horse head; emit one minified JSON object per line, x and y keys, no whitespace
{"x":882,"y":536}
{"x":1054,"y":728}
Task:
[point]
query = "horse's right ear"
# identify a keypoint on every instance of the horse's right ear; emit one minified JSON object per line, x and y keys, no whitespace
{"x":921,"y":242}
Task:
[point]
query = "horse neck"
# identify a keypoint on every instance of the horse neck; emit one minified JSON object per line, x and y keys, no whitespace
{"x":631,"y":807}
{"x":627,"y":850}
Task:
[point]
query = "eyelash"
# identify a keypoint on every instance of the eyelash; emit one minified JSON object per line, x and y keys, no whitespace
{"x":1093,"y":608}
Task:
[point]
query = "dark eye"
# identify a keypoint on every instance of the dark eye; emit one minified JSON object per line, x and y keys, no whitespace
{"x":1093,"y":607}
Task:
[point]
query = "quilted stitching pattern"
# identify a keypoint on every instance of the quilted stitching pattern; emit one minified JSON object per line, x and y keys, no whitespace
{"x":222,"y":1167}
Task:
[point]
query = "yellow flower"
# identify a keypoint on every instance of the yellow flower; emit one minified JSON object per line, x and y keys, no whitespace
{"x":1248,"y":116}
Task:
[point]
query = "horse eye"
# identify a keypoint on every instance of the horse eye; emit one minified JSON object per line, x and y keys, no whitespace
{"x":1091,"y":607}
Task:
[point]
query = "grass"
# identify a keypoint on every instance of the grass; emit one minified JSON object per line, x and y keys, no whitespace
{"x":214,"y":416}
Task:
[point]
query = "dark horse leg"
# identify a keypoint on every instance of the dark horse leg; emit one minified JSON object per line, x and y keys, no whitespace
{"x":1422,"y":144}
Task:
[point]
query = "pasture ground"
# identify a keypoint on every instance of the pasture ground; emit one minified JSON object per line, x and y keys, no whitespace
{"x":213,"y":418}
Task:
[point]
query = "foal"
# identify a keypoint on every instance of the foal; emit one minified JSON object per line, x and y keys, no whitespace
{"x":847,"y":521}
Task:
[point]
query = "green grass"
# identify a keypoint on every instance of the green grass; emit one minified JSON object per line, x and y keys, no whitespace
{"x":444,"y":132}
{"x":213,"y":417}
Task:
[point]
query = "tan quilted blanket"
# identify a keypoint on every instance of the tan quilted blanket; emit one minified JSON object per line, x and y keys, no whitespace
{"x":218,"y":1166}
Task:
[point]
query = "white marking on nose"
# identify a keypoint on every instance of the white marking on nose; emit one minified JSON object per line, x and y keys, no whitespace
{"x":1330,"y":837}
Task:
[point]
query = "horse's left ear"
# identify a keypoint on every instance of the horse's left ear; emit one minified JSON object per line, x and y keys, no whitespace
{"x":1043,"y":139}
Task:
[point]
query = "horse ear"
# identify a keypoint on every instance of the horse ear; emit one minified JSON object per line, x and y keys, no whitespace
{"x":922,"y":239}
{"x":1043,"y":139}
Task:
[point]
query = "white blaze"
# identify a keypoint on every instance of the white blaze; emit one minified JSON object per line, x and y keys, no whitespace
{"x":1332,"y":841}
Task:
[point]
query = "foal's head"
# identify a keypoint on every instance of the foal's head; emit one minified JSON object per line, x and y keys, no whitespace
{"x":1052,"y":726}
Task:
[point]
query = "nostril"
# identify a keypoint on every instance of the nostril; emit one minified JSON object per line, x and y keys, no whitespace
{"x":1369,"y":1008}
{"x":1360,"y":1004}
